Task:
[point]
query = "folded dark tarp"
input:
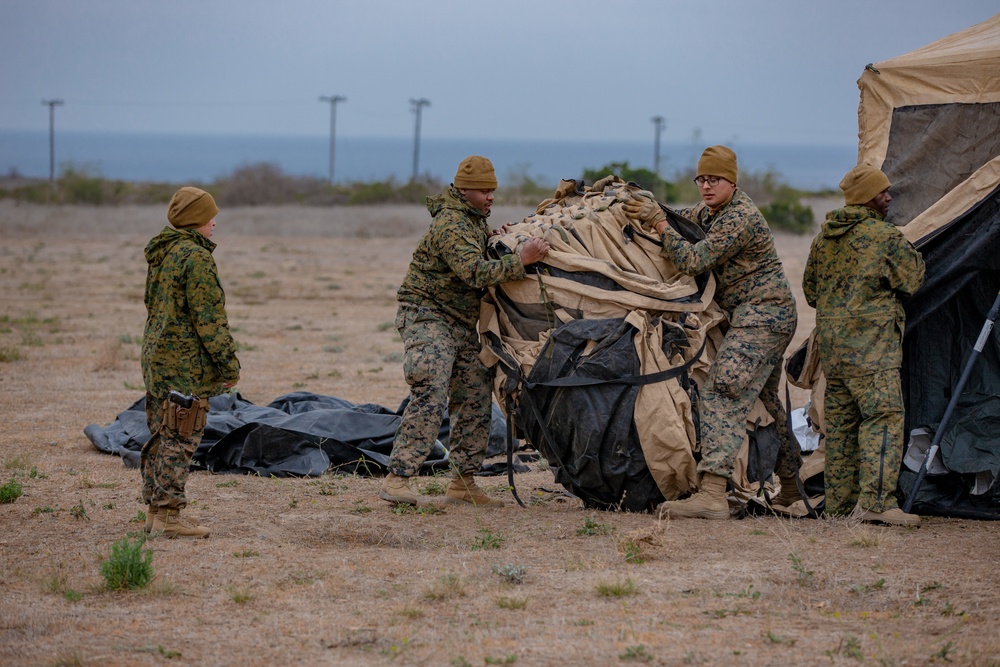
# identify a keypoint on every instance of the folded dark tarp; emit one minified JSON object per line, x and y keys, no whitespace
{"x":298,"y":434}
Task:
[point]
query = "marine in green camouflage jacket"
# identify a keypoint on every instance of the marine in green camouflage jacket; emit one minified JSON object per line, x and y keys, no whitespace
{"x":858,"y":269}
{"x":739,"y":248}
{"x":450,"y":270}
{"x":187,"y":345}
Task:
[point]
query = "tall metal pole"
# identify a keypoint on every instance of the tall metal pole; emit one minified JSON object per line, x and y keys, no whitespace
{"x":417,"y":105}
{"x":332,"y":99}
{"x":659,"y":123}
{"x":52,"y":104}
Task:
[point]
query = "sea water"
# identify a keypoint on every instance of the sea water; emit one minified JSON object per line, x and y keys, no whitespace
{"x":204,"y":158}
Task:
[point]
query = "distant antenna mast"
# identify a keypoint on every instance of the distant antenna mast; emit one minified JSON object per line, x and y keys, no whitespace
{"x":659,"y":123}
{"x":333,"y":100}
{"x":416,"y":106}
{"x":52,"y":104}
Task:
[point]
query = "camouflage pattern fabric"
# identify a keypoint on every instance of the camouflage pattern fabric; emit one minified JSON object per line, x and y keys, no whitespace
{"x":165,"y":460}
{"x":858,"y":471}
{"x":739,"y":248}
{"x":187,"y":345}
{"x":443,"y":370}
{"x":755,"y":294}
{"x":858,"y":269}
{"x":449,"y":270}
{"x":746,"y":366}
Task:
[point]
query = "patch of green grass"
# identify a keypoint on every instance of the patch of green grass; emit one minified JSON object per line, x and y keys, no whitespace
{"x":78,"y":511}
{"x":128,"y":566}
{"x":239,"y":595}
{"x":636,"y":654}
{"x":487,"y":539}
{"x":47,"y":509}
{"x":227,"y":485}
{"x":435,"y":487}
{"x":514,"y":603}
{"x":591,"y":527}
{"x":802,"y":575}
{"x":508,"y":659}
{"x":246,"y":553}
{"x":620,"y":588}
{"x":11,"y":491}
{"x":8,"y":353}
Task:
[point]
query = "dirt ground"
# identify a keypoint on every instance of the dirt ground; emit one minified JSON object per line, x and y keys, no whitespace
{"x":320,"y":571}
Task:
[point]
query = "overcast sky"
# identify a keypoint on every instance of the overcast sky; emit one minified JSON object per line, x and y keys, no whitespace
{"x":753,"y":71}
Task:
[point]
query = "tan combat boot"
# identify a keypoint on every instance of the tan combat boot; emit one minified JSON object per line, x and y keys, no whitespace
{"x":463,"y":489}
{"x":171,"y":524}
{"x":150,"y":514}
{"x":891,"y":517}
{"x":788,"y":494}
{"x":708,"y":503}
{"x":396,"y":489}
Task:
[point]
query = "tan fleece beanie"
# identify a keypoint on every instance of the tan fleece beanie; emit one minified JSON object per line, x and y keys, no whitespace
{"x":475,"y":173}
{"x":718,"y":161}
{"x":862,"y":184}
{"x":190,"y":208}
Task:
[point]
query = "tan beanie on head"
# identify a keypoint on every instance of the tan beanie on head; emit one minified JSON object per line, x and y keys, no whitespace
{"x":862,"y":184}
{"x":718,"y":161}
{"x":191,"y":207}
{"x":475,"y":173}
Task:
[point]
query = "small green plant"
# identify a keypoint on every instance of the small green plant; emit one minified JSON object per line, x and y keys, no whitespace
{"x":246,"y":553}
{"x":487,"y":540}
{"x":631,"y":551}
{"x":239,"y":595}
{"x":227,"y":485}
{"x":71,"y":595}
{"x":506,"y":602}
{"x":8,"y":353}
{"x":511,"y":573}
{"x":460,"y":662}
{"x":942,"y":655}
{"x":591,"y":527}
{"x":140,"y":517}
{"x":779,"y":639}
{"x":868,"y":588}
{"x":508,"y":659}
{"x":435,"y":487}
{"x":10,"y":491}
{"x":78,"y":511}
{"x":802,"y":575}
{"x":129,"y":566}
{"x":636,"y":654}
{"x":47,"y":509}
{"x":617,"y":589}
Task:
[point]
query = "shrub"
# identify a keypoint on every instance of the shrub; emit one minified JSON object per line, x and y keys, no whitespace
{"x":128,"y":566}
{"x":10,"y":491}
{"x":662,"y":190}
{"x":789,"y":215}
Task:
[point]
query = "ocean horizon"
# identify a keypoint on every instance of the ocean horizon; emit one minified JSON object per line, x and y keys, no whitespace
{"x":188,"y":158}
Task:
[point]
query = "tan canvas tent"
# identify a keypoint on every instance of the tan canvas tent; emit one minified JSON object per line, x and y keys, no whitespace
{"x":930,"y":119}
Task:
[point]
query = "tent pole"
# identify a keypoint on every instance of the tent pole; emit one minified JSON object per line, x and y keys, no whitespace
{"x":956,"y":393}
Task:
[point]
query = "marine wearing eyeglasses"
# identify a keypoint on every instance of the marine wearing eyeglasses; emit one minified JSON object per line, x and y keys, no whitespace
{"x":755,"y":294}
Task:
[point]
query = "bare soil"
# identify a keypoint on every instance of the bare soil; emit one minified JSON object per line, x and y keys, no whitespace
{"x":320,"y":571}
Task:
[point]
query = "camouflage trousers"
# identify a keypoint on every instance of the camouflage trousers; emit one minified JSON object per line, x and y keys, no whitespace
{"x":442,"y":367}
{"x":747,"y":365}
{"x":858,"y":469}
{"x":165,"y":459}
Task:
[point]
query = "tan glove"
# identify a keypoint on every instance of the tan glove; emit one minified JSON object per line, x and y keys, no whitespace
{"x":646,"y":211}
{"x":605,"y":182}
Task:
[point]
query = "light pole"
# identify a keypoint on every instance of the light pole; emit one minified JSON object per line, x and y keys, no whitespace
{"x":52,"y":104}
{"x":332,"y":99}
{"x":659,"y":123}
{"x":417,"y":106}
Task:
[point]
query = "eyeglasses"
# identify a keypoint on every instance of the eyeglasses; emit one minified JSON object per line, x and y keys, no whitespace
{"x":710,"y":181}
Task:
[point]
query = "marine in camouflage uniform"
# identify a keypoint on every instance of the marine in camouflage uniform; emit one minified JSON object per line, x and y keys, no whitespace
{"x":859,"y":268}
{"x":755,"y":294}
{"x":437,"y":315}
{"x":187,"y":346}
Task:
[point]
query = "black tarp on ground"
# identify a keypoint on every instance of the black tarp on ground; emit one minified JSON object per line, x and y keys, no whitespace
{"x":944,"y":320}
{"x":298,"y":434}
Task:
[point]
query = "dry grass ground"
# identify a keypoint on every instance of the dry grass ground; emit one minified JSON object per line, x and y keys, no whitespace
{"x":320,"y":571}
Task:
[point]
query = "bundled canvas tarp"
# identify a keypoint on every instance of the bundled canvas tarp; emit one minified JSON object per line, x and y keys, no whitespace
{"x":600,"y":350}
{"x":931,"y":120}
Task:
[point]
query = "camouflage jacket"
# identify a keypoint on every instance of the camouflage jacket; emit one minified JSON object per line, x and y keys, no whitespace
{"x":739,"y":248}
{"x":187,"y":345}
{"x":858,"y":269}
{"x":449,"y":270}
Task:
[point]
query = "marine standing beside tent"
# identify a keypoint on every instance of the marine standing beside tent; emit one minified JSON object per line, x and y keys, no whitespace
{"x":859,"y":268}
{"x":755,"y":294}
{"x":436,"y":318}
{"x":188,"y":352}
